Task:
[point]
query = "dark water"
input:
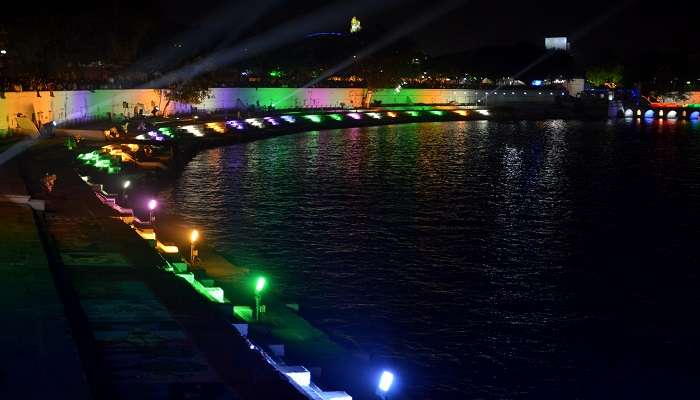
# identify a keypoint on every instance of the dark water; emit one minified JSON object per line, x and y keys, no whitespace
{"x":478,"y":259}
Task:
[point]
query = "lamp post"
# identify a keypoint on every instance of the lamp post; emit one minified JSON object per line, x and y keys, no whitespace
{"x":385,"y":382}
{"x":125,"y":186}
{"x":193,"y":251}
{"x":259,"y":286}
{"x":152,"y":204}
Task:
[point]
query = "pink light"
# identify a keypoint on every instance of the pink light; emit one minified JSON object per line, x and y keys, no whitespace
{"x":152,"y":204}
{"x":354,"y":115}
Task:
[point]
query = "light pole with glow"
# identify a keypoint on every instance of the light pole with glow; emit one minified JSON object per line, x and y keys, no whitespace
{"x":259,"y":286}
{"x":193,"y":251}
{"x":152,"y":204}
{"x":125,"y":186}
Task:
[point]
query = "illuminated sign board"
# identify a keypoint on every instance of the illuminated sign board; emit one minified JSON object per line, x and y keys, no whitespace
{"x":556,"y":43}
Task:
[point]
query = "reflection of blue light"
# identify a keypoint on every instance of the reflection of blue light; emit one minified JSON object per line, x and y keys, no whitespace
{"x":537,"y":82}
{"x":649,"y":114}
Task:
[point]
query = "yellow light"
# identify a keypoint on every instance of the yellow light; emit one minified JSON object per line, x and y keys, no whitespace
{"x":167,"y":248}
{"x":391,"y":114}
{"x":194,"y":235}
{"x":461,"y":112}
{"x":216,"y":127}
{"x":146,"y":233}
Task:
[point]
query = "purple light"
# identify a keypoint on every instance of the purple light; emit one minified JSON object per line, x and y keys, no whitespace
{"x":235,"y":124}
{"x":354,"y":115}
{"x":152,"y":204}
{"x":271,"y":121}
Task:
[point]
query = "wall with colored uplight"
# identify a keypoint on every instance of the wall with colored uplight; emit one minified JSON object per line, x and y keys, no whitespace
{"x":83,"y":105}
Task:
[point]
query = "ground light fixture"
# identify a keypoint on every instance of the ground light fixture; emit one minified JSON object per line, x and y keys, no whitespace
{"x":259,"y":286}
{"x":385,"y":382}
{"x":194,"y":236}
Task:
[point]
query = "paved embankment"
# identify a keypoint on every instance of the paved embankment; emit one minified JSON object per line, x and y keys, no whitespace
{"x":146,"y":334}
{"x":39,"y":355}
{"x":334,"y":367}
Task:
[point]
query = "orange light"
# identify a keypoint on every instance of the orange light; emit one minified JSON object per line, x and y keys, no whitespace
{"x":664,"y":105}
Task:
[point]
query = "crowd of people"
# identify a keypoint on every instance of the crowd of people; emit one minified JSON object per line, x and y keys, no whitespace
{"x":57,"y":83}
{"x":72,"y":81}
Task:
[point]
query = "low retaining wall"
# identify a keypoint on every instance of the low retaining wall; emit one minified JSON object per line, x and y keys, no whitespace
{"x":84,"y":105}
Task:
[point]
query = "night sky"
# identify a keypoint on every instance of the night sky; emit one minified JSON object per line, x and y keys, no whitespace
{"x":627,"y":25}
{"x":594,"y":26}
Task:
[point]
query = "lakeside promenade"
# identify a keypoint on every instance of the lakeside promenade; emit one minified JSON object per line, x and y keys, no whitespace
{"x":140,"y":331}
{"x":143,"y":332}
{"x":40,"y":355}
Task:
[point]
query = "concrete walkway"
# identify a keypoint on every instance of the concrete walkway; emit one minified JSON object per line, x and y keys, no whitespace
{"x":338,"y":368}
{"x":39,"y":355}
{"x":150,"y":334}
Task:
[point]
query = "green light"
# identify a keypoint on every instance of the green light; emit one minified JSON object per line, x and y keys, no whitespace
{"x":88,"y":156}
{"x":695,"y":105}
{"x":437,"y":112}
{"x":412,"y":113}
{"x":260,"y":285}
{"x":336,"y":117}
{"x":166,"y":131}
{"x":276,"y":74}
{"x":314,"y":118}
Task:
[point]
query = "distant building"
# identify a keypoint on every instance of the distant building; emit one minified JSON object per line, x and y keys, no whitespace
{"x":557,"y":43}
{"x":355,"y":25}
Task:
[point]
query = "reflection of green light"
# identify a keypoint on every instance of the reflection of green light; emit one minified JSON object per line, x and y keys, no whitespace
{"x":437,"y":112}
{"x":412,"y":113}
{"x":260,"y":284}
{"x":313,"y":118}
{"x":336,"y":117}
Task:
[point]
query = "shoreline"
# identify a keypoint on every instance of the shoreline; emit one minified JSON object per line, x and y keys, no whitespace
{"x":96,"y":252}
{"x":322,"y":350}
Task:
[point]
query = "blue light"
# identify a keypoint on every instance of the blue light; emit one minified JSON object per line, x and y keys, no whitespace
{"x":385,"y":381}
{"x":537,"y":82}
{"x":324,"y":34}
